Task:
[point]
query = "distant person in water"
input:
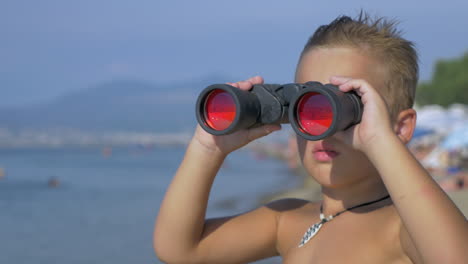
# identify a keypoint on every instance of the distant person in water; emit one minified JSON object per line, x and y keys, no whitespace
{"x":53,"y":182}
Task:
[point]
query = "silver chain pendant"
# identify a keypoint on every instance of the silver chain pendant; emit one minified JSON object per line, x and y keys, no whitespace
{"x":313,"y":230}
{"x":310,"y":233}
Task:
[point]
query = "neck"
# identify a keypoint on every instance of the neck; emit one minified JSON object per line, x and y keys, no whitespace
{"x":341,"y":198}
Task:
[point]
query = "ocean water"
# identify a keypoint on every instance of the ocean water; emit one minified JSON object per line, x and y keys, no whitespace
{"x":103,"y":209}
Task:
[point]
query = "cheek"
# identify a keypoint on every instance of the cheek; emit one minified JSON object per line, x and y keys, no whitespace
{"x":301,"y":146}
{"x":304,"y":148}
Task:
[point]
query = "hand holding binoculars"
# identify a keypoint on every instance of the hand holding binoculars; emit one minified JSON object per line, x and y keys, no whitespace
{"x":315,"y":110}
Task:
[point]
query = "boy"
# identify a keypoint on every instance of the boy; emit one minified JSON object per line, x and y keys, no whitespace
{"x":379,"y":205}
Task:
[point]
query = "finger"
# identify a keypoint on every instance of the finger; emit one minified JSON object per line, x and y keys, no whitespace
{"x":244,"y":85}
{"x":359,"y":86}
{"x":256,"y":80}
{"x":262,"y":131}
{"x":233,"y":84}
{"x":339,"y":80}
{"x":249,"y":83}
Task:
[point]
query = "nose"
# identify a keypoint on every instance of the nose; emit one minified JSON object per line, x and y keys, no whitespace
{"x":340,"y":135}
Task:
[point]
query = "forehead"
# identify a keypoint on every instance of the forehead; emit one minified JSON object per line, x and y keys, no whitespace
{"x":319,"y":64}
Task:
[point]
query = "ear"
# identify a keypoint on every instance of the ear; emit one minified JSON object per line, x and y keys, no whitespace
{"x":405,"y":125}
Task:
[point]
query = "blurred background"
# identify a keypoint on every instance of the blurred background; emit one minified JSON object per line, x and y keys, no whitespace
{"x":97,"y":101}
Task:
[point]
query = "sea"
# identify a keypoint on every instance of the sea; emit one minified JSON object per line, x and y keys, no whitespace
{"x":86,"y":205}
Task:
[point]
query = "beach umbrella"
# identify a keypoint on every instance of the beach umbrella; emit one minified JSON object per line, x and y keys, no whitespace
{"x":421,"y":132}
{"x":457,"y":139}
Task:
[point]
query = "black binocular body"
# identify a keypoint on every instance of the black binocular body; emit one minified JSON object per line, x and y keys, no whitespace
{"x":314,"y":110}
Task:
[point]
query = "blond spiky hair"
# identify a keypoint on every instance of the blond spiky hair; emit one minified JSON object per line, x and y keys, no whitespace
{"x":381,"y":40}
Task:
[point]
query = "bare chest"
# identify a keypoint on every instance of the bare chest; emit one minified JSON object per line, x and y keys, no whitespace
{"x":351,"y":239}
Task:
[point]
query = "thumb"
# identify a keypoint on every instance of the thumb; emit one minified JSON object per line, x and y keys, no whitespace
{"x":339,"y":80}
{"x":262,"y":131}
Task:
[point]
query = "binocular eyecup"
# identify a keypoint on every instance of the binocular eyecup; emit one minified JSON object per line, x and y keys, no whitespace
{"x":315,"y":111}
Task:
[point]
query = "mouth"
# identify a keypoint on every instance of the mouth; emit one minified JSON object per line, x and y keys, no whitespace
{"x":324,"y":152}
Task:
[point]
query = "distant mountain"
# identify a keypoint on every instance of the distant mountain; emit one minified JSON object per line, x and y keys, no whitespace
{"x":125,"y":105}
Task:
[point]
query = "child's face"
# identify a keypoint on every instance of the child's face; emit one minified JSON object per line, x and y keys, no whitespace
{"x":330,"y":161}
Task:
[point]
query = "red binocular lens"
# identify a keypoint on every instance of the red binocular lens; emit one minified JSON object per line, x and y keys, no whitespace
{"x":319,"y":111}
{"x":223,"y":109}
{"x":314,"y":114}
{"x":220,"y":110}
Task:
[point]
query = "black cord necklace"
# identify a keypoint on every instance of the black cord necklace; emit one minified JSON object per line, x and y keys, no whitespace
{"x":310,"y":233}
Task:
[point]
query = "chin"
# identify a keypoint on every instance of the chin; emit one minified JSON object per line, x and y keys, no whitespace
{"x":336,"y":174}
{"x":328,"y":176}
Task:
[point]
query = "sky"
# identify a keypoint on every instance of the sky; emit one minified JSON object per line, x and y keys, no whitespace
{"x":52,"y":47}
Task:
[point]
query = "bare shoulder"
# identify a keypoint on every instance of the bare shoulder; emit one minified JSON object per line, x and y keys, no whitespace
{"x":241,"y":246}
{"x":292,"y":208}
{"x":294,"y":217}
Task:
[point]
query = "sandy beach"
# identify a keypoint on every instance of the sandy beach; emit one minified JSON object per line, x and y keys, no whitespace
{"x":461,"y":200}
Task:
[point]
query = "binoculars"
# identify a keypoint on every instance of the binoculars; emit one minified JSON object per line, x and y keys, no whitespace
{"x":314,"y":110}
